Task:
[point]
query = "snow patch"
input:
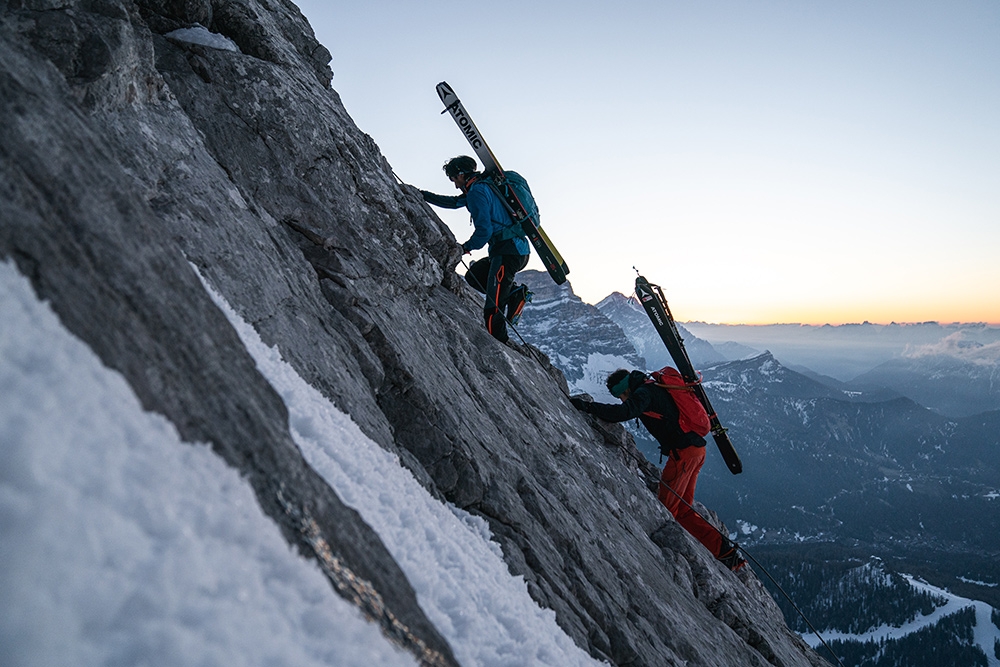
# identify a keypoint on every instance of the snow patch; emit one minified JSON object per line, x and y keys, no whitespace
{"x":201,"y":36}
{"x":595,"y":374}
{"x":977,"y":583}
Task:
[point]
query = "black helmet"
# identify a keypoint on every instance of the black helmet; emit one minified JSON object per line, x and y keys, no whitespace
{"x":463,"y":164}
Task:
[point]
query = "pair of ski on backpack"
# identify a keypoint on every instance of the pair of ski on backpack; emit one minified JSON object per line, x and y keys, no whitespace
{"x":510,"y":186}
{"x":655,"y":304}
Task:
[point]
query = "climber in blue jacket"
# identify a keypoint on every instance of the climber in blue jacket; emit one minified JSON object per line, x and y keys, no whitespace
{"x":508,"y":248}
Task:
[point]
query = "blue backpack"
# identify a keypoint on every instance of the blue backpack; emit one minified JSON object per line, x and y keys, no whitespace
{"x":523,"y":192}
{"x":520,"y":188}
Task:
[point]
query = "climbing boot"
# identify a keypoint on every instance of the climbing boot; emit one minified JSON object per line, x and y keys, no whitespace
{"x":515,"y":303}
{"x":730,"y":557}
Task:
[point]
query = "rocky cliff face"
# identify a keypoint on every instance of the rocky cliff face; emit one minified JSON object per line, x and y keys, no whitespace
{"x":129,"y":158}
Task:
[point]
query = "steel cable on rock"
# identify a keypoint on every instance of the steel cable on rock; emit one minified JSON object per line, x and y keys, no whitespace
{"x":766,"y":573}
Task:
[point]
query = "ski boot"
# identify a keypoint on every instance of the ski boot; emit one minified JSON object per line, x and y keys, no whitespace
{"x":730,"y":557}
{"x":515,"y":303}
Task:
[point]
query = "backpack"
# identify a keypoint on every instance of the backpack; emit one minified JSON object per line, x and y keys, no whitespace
{"x":693,"y":417}
{"x":520,"y":187}
{"x":523,"y":192}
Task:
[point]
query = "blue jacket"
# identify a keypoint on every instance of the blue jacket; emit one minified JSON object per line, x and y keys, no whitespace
{"x":489,"y":216}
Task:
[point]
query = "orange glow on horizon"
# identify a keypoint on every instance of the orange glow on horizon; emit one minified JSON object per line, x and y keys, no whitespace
{"x":833,"y":318}
{"x":821,"y":314}
{"x":820,"y":323}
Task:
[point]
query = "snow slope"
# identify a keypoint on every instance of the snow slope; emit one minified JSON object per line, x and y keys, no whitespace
{"x":122,"y":545}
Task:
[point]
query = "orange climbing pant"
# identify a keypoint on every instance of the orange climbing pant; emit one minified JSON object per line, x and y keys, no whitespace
{"x":681,"y":474}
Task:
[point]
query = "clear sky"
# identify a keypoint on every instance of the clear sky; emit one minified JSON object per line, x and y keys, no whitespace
{"x":815,"y":162}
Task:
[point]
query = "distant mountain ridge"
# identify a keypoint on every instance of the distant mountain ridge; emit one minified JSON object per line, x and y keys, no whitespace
{"x":846,"y":351}
{"x":952,"y":386}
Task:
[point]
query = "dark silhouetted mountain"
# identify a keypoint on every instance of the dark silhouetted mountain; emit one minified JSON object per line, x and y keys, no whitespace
{"x":735,"y":351}
{"x":868,"y":394}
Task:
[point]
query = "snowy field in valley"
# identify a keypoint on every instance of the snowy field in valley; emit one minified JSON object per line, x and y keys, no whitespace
{"x":595,"y":374}
{"x":986,"y":634}
{"x":122,"y":544}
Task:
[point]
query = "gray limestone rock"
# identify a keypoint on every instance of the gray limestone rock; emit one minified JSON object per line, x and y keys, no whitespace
{"x":127,"y":157}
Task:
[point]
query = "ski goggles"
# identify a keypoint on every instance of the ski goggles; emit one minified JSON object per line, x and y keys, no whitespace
{"x":620,"y":388}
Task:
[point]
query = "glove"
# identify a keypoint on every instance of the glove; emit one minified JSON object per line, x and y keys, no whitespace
{"x":580,"y":404}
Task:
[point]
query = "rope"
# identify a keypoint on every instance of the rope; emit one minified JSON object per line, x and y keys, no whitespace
{"x":762,"y":569}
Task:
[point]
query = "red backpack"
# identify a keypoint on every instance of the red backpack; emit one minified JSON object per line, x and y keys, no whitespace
{"x":693,"y":417}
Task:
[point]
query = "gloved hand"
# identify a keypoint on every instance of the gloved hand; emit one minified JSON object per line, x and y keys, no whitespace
{"x":580,"y":404}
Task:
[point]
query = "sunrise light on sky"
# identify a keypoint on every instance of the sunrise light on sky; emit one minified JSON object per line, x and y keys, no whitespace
{"x":764,"y":162}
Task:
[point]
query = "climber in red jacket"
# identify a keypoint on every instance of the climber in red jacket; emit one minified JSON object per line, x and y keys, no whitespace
{"x":685,"y":452}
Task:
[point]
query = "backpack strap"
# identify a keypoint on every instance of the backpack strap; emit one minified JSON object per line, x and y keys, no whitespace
{"x":650,"y":413}
{"x":511,"y":231}
{"x":686,"y":386}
